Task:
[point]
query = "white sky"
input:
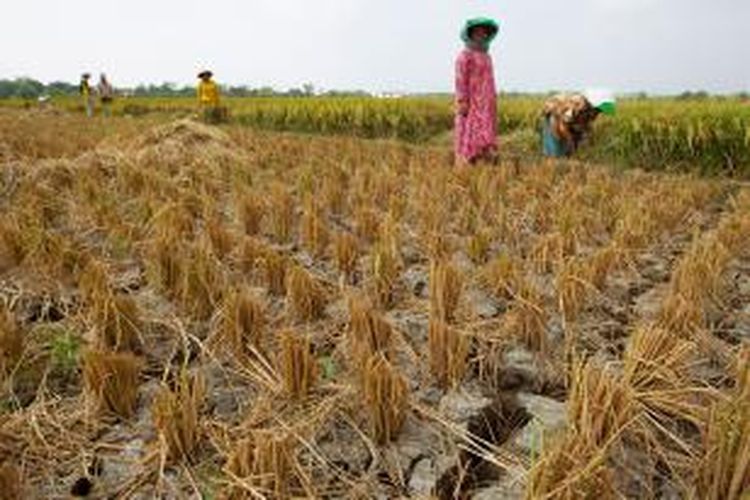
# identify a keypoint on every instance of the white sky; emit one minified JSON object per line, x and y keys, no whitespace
{"x":407,"y":45}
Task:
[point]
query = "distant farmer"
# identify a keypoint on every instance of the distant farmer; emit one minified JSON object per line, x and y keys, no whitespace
{"x":84,"y":89}
{"x":476,"y":95}
{"x":208,"y":97}
{"x":567,"y":120}
{"x":106,"y":94}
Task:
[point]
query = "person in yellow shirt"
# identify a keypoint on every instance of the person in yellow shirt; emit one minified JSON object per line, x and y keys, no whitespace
{"x":208,"y":96}
{"x":84,"y":89}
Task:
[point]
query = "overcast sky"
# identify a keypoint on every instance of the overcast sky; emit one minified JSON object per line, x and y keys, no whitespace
{"x":400,"y":45}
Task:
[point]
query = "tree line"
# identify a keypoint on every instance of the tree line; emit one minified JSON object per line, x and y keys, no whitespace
{"x":29,"y":88}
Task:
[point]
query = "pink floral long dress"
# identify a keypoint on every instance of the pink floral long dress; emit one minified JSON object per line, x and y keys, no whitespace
{"x":475,"y":88}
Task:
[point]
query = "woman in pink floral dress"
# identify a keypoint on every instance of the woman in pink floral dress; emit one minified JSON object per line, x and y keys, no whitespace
{"x":476,"y":96}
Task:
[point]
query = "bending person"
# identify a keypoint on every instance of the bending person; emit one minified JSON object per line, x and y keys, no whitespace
{"x":567,"y":120}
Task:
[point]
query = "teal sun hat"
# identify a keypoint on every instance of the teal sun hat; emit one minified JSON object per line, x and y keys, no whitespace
{"x":603,"y":100}
{"x":487,"y":22}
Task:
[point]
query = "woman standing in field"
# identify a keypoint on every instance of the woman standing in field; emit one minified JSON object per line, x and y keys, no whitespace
{"x":208,"y":96}
{"x":106,"y":94}
{"x":476,"y":95}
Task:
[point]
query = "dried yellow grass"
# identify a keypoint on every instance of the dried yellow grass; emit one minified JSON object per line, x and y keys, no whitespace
{"x":503,"y":276}
{"x":723,"y":472}
{"x":176,"y":416}
{"x":526,"y":320}
{"x":264,"y":461}
{"x":243,"y":323}
{"x":699,"y":273}
{"x":397,"y":206}
{"x":547,"y":251}
{"x":390,"y":233}
{"x":635,"y":227}
{"x":250,"y":254}
{"x":438,"y":244}
{"x":12,"y":243}
{"x":384,"y":269}
{"x":11,"y":343}
{"x":742,"y":373}
{"x":275,"y":267}
{"x":543,"y":214}
{"x":572,"y":289}
{"x":696,"y":282}
{"x":449,"y":350}
{"x":118,"y":324}
{"x":111,"y":382}
{"x":733,"y":232}
{"x":658,"y":372}
{"x":446,"y":285}
{"x":222,"y":240}
{"x":600,"y":405}
{"x":602,"y":263}
{"x":250,"y":209}
{"x":576,"y":466}
{"x":167,"y":265}
{"x":315,"y":234}
{"x":570,"y":469}
{"x":572,"y":226}
{"x":369,"y":333}
{"x":346,"y":253}
{"x":281,"y":213}
{"x":655,"y":356}
{"x":333,"y":194}
{"x":11,"y":482}
{"x":297,"y":365}
{"x":93,"y":283}
{"x":478,"y":246}
{"x":203,"y":281}
{"x":386,"y":397}
{"x":681,"y":315}
{"x":175,"y":221}
{"x":305,"y":295}
{"x":367,"y":224}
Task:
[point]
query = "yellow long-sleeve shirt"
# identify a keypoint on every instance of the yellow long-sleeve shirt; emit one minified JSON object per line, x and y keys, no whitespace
{"x":208,"y":93}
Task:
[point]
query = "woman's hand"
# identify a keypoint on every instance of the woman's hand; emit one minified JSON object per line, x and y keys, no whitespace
{"x":562,"y":132}
{"x":462,"y":108}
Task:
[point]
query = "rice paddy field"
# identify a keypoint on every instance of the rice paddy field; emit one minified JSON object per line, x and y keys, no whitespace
{"x":705,"y":136}
{"x":325,"y":307}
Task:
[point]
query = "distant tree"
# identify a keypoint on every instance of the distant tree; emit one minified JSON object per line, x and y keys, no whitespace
{"x":61,"y":88}
{"x":29,"y":88}
{"x":7,"y":89}
{"x":346,"y":93}
{"x":700,"y":95}
{"x":240,"y":91}
{"x":185,"y":91}
{"x":166,"y":89}
{"x":26,"y":88}
{"x":265,"y":92}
